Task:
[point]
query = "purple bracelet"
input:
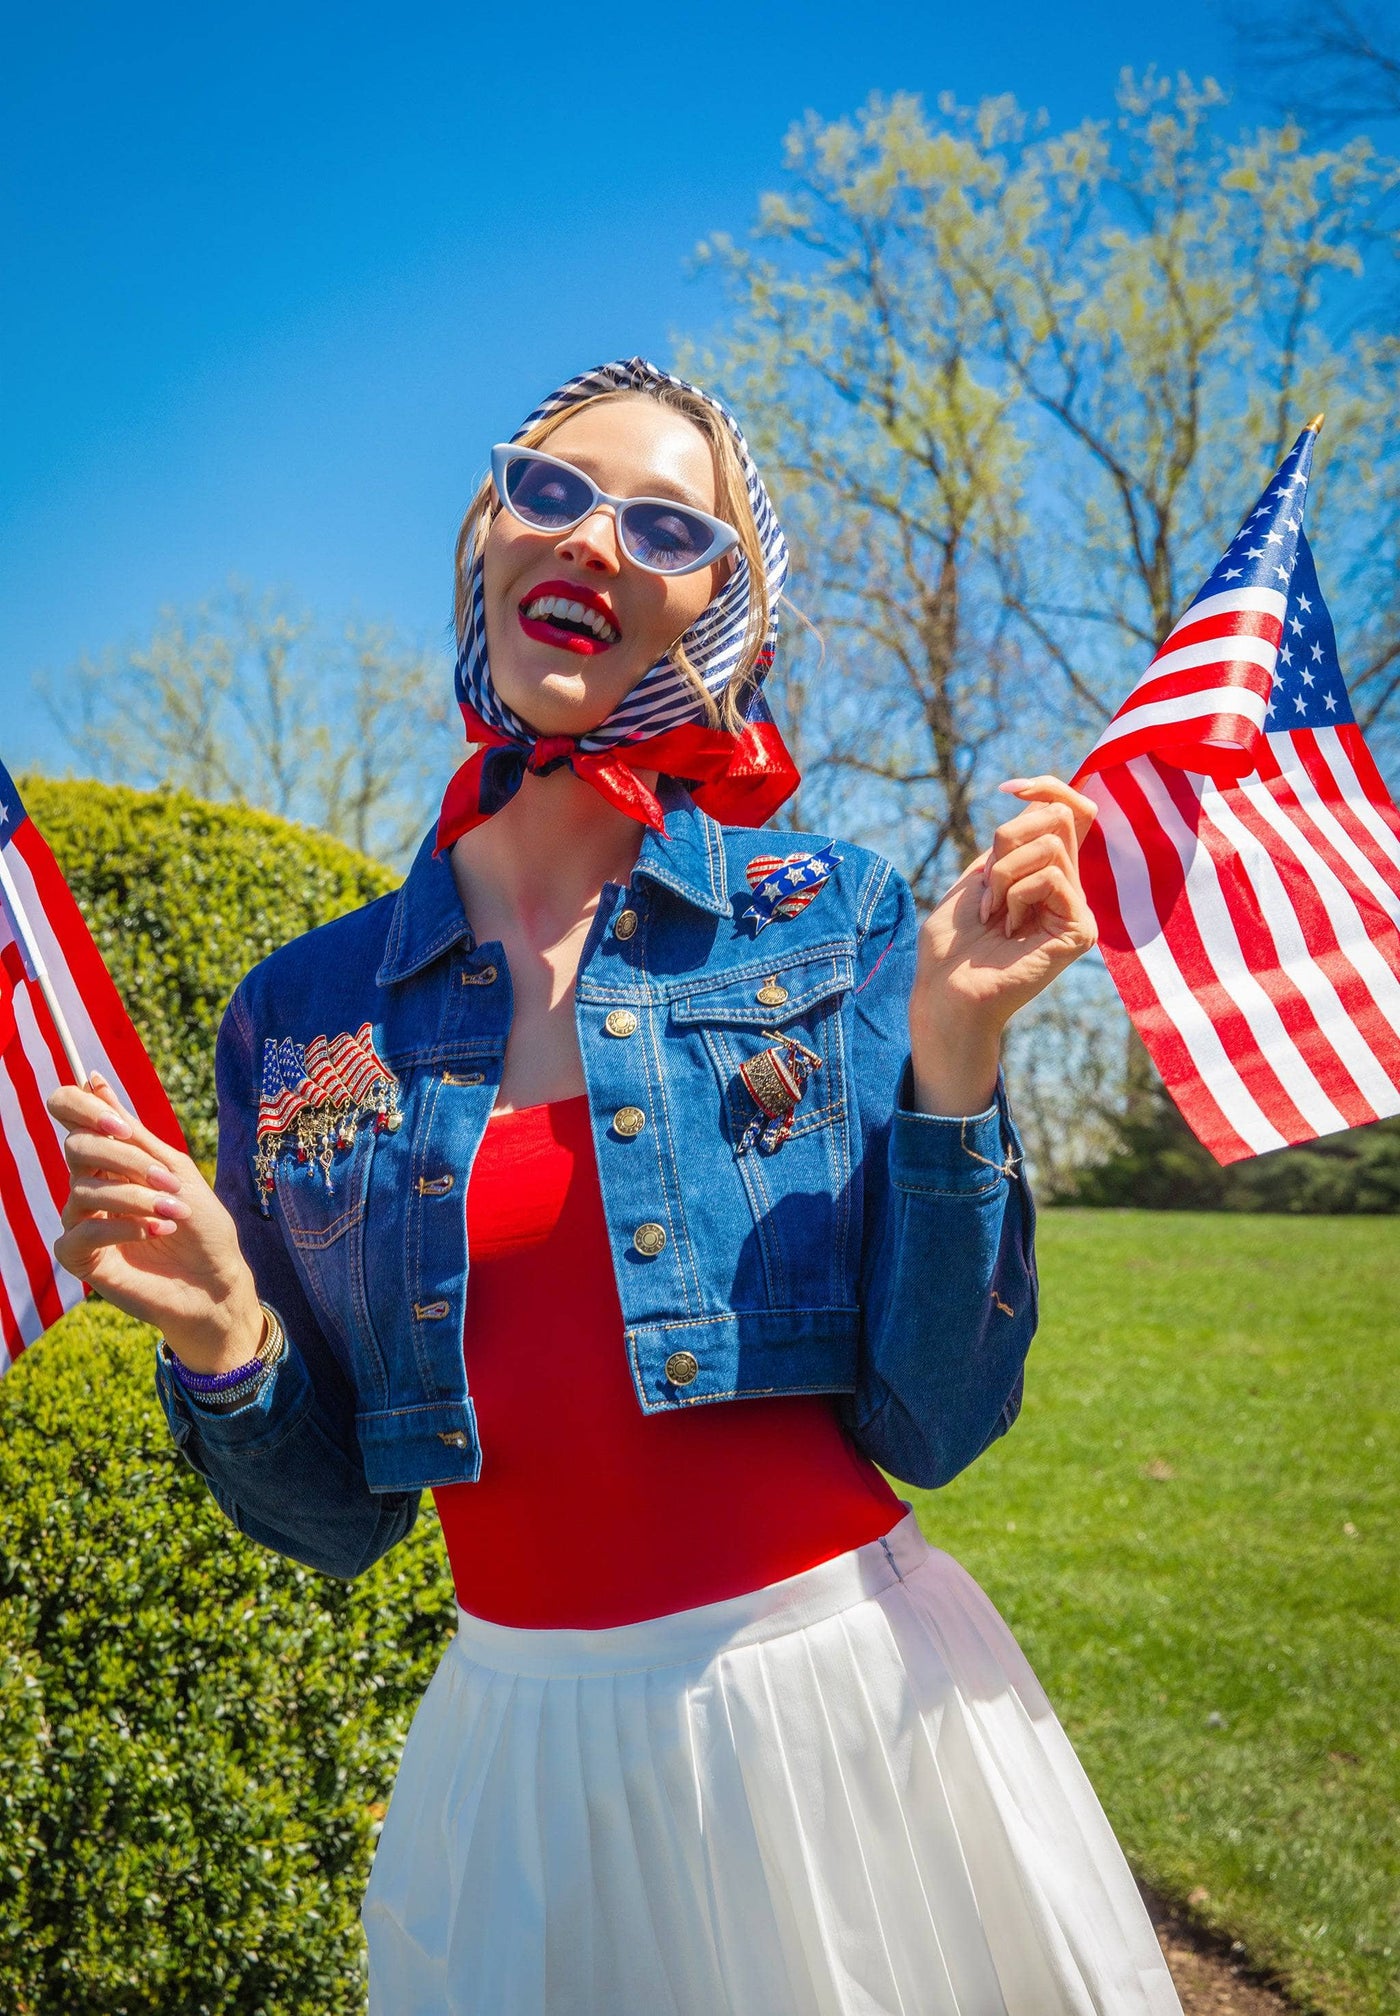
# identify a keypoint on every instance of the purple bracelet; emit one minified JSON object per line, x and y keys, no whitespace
{"x":214,"y":1382}
{"x":207,"y":1384}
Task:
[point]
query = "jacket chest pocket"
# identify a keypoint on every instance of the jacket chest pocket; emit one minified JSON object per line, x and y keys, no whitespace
{"x":322,"y":1196}
{"x":776,"y":1040}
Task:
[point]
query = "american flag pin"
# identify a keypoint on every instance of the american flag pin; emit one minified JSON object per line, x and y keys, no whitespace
{"x":314,"y":1098}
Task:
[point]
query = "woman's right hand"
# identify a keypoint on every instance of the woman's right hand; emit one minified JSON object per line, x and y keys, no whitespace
{"x":146,"y":1230}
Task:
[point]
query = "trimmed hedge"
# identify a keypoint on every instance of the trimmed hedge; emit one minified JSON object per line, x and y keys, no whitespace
{"x":197,"y":1738}
{"x":183,"y":897}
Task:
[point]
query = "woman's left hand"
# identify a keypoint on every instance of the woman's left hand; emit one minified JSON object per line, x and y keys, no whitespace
{"x":1008,"y":925}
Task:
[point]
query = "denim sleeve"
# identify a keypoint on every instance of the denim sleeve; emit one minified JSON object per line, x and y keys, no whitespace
{"x":286,"y":1466}
{"x":949,"y":1297}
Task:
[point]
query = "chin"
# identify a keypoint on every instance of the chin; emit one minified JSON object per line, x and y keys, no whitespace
{"x":559,"y":701}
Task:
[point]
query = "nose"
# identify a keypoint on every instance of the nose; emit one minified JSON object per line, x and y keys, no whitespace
{"x":593,"y":542}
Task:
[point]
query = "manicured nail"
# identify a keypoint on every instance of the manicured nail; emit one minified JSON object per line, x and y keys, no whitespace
{"x":161,"y":1178}
{"x":158,"y":1227}
{"x":171,"y":1207}
{"x":113,"y":1123}
{"x":97,"y":1081}
{"x":1014,"y":784}
{"x":984,"y":908}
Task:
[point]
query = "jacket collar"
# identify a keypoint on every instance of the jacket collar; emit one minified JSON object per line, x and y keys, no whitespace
{"x":689,"y":860}
{"x":428,"y":918}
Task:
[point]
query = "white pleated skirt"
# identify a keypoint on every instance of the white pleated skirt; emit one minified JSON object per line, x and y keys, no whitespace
{"x":842,"y":1793}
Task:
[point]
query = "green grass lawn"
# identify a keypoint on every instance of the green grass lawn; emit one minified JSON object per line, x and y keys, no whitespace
{"x":1193,"y":1532}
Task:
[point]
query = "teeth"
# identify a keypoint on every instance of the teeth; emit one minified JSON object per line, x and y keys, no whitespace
{"x":545,"y":607}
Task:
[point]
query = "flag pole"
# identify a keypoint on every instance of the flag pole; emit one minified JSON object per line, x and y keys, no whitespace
{"x":34,"y":959}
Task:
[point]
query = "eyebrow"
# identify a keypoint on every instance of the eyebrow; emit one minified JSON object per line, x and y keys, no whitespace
{"x":662,"y":487}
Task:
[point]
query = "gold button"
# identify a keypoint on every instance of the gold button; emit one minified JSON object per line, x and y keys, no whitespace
{"x":625,"y":924}
{"x":629,"y":1120}
{"x":770,"y":994}
{"x":649,"y":1240}
{"x":682,"y":1367}
{"x":620,"y":1022}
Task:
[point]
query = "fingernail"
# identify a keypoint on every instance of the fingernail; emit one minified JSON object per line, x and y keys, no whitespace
{"x":113,"y":1123}
{"x":96,"y":1079}
{"x":171,"y":1207}
{"x":1014,"y":784}
{"x":984,"y":908}
{"x":158,"y":1227}
{"x":161,"y":1178}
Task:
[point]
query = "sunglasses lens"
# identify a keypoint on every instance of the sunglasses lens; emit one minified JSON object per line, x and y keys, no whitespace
{"x":545,"y":495}
{"x":664,"y":536}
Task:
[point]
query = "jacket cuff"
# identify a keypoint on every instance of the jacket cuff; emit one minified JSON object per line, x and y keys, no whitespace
{"x":938,"y":1155}
{"x":283,"y":1395}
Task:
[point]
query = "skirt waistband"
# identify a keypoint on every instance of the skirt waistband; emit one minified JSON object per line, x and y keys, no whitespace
{"x":690,"y":1637}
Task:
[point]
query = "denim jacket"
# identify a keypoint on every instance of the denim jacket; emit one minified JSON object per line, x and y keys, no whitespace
{"x":874,"y":1253}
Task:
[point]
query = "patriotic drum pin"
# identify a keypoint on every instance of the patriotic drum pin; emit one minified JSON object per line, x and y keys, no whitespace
{"x":776,"y":1080}
{"x":784,"y":884}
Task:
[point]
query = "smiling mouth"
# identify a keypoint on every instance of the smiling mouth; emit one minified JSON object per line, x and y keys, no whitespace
{"x":568,"y":622}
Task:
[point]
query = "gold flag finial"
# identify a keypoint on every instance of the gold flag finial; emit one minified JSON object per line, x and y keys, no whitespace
{"x":1315,"y":424}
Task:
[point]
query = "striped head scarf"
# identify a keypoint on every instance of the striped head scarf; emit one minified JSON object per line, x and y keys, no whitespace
{"x":740,"y":777}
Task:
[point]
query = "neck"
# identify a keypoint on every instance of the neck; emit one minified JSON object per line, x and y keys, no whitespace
{"x":539,"y":864}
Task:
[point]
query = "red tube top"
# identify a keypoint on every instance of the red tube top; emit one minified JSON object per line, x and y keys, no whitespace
{"x":587,"y":1511}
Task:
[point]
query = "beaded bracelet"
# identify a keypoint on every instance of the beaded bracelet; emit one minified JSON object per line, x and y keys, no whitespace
{"x":220,"y":1388}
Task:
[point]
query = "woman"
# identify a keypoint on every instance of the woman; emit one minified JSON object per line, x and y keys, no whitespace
{"x":745,"y":1215}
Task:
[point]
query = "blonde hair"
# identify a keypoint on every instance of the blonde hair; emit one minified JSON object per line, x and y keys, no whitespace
{"x":732,"y":503}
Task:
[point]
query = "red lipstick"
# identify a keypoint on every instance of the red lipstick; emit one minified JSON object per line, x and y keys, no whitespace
{"x":564,"y":632}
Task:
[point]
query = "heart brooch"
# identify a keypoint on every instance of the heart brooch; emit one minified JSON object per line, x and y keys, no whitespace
{"x":784,"y":884}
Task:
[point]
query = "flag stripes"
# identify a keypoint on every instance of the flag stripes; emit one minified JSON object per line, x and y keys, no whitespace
{"x":34,"y":1182}
{"x":1260,"y":955}
{"x":1245,"y":864}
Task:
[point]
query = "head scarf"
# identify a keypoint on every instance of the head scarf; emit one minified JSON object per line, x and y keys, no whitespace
{"x":742,"y":778}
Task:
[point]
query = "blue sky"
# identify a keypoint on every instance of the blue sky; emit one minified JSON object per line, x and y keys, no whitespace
{"x":278,"y":276}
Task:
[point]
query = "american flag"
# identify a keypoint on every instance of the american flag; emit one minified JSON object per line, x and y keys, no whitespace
{"x":1245,"y":865}
{"x":42,"y":934}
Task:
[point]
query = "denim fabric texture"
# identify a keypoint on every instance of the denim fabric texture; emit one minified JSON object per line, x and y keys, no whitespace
{"x":879,"y":1254}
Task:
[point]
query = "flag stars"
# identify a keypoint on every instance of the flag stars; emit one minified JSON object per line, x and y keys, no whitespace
{"x":1282,"y":573}
{"x":1233,"y":573}
{"x":1295,"y":626}
{"x":1301,"y":704}
{"x":1329,"y":702}
{"x":1305,"y":605}
{"x":1306,"y":676}
{"x":1317,"y":654}
{"x":1255,"y":553}
{"x":1286,"y":655}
